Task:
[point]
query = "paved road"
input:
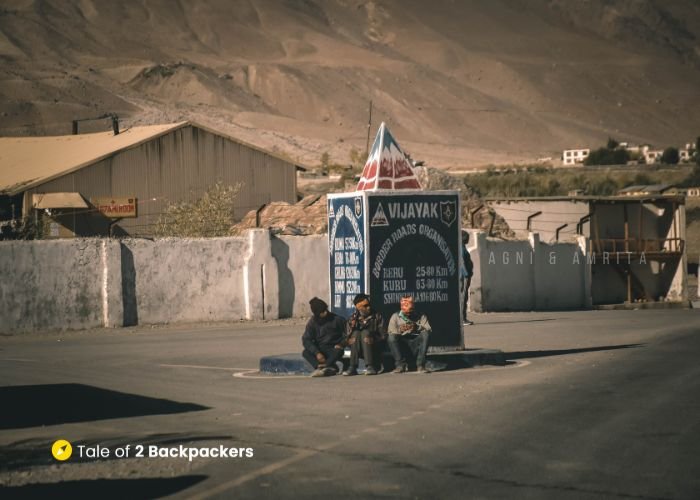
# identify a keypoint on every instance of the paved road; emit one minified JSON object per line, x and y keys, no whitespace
{"x":596,"y":404}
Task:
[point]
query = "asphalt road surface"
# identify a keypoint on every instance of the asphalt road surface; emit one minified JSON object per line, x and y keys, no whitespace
{"x":594,"y":404}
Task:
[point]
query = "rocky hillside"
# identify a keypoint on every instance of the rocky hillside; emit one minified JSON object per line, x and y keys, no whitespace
{"x":461,"y":84}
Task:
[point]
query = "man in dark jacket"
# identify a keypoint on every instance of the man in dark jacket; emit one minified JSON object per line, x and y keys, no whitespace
{"x":465,"y":275}
{"x":322,"y":339}
{"x":365,"y":331}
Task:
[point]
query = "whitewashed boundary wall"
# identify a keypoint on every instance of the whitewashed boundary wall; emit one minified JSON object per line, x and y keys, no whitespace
{"x":529,"y":275}
{"x":51,"y":284}
{"x":87,"y":283}
{"x":302,"y":264}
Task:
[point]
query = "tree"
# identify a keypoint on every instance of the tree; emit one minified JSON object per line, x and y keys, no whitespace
{"x":670,"y":156}
{"x":607,"y":156}
{"x":211,"y":215}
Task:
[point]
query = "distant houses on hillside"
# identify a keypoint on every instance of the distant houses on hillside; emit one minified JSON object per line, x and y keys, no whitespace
{"x":574,"y":156}
{"x":643,"y":154}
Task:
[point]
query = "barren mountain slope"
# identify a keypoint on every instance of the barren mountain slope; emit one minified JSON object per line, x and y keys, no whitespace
{"x":460,"y":83}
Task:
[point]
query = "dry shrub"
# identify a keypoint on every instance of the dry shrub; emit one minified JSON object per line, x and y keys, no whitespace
{"x":210,"y":216}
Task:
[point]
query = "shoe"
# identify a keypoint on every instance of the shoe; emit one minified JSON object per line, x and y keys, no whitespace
{"x":329,"y":371}
{"x":350,"y":372}
{"x":370,"y":371}
{"x":468,"y":323}
{"x":422,"y":369}
{"x":400,"y":368}
{"x":318,"y":372}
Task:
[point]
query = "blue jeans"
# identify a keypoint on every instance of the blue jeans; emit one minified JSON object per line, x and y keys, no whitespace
{"x":416,"y":343}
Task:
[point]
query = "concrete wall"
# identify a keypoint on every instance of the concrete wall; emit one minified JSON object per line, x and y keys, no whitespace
{"x":183,"y":280}
{"x":51,"y":284}
{"x":85,"y":283}
{"x":529,"y":275}
{"x":302,"y":263}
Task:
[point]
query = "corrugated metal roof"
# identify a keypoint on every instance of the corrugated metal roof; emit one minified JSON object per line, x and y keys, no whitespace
{"x":649,"y":189}
{"x":26,"y":162}
{"x":58,"y":200}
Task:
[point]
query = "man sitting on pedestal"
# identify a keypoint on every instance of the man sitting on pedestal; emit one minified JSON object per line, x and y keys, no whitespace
{"x":409,"y":330}
{"x":322,"y":339}
{"x":365,"y":332}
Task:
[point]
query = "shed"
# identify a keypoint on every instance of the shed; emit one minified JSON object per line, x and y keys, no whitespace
{"x":136,"y":174}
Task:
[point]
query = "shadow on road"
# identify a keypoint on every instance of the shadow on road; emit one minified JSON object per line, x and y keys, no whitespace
{"x":52,"y":404}
{"x":104,"y":488}
{"x":560,"y":352}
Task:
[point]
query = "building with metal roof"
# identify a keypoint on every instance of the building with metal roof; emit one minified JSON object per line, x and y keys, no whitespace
{"x":124,"y":181}
{"x":646,"y":190}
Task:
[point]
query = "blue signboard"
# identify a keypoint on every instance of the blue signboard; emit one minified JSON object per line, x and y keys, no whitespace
{"x":414,"y":242}
{"x":346,"y":247}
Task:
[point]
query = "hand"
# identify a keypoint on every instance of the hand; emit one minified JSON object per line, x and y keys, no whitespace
{"x":337,"y":346}
{"x":320,"y":357}
{"x":407,"y":327}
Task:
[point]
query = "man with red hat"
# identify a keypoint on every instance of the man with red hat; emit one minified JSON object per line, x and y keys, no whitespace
{"x":409,"y":330}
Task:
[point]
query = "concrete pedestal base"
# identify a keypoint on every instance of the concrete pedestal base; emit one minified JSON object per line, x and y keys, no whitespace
{"x":295,"y":364}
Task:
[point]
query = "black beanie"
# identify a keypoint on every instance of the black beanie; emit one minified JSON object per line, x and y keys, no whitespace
{"x":317,"y":306}
{"x":359,"y":298}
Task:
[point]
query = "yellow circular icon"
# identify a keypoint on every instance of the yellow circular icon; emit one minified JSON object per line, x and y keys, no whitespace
{"x":61,"y":450}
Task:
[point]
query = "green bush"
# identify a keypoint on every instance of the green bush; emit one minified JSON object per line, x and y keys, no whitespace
{"x":558,"y":182}
{"x":606,"y":156}
{"x":670,"y":156}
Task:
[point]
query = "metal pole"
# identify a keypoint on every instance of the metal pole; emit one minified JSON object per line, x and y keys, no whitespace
{"x":257,"y":214}
{"x":369,"y":128}
{"x":530,"y":217}
{"x":559,"y":229}
{"x":473,"y":213}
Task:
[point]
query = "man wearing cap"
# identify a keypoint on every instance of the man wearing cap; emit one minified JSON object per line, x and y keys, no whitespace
{"x":365,"y":331}
{"x":322,"y":339}
{"x":409,"y":329}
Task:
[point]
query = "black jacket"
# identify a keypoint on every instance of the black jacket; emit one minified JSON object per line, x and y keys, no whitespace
{"x":323,"y":332}
{"x":374,"y":323}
